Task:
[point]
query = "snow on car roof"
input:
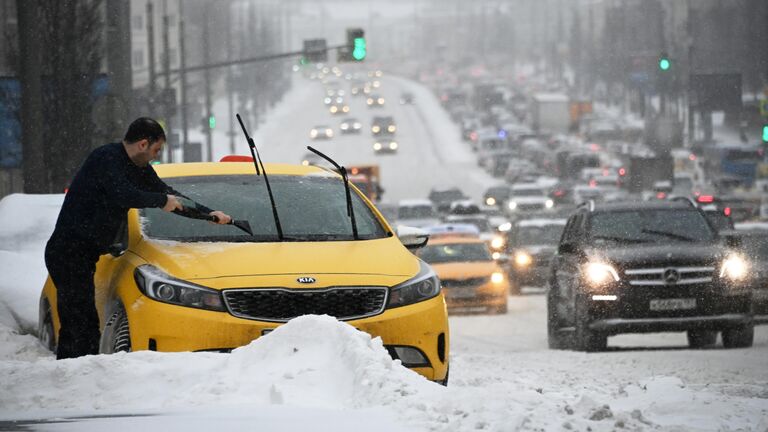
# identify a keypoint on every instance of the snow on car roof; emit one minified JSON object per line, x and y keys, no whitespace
{"x":414,"y":202}
{"x":540,"y":222}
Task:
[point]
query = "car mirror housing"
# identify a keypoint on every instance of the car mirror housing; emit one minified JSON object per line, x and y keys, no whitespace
{"x":412,"y":238}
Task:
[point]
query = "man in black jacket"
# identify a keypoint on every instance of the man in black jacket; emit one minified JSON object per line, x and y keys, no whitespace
{"x":113,"y":179}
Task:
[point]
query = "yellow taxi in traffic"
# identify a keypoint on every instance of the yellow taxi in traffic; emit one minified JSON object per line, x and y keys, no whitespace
{"x":179,"y":284}
{"x":472,"y":279}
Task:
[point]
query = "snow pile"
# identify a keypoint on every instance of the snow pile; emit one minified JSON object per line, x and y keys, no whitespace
{"x":312,"y":361}
{"x":26,"y":223}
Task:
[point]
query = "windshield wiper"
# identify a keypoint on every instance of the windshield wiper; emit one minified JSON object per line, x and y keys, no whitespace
{"x":668,"y":235}
{"x":343,"y":172}
{"x":191,"y":209}
{"x":619,"y":239}
{"x":256,"y":162}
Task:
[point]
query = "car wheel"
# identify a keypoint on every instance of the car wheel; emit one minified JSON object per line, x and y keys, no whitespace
{"x":117,"y":334}
{"x":701,"y":338}
{"x":555,"y":339}
{"x":586,"y":339}
{"x":45,"y":330}
{"x":739,"y":337}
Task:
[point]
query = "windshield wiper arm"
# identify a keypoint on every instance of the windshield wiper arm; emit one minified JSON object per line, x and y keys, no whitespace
{"x":343,"y":172}
{"x":256,"y":162}
{"x":668,"y":234}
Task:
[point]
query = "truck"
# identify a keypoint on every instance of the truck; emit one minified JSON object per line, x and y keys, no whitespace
{"x":367,"y":179}
{"x":551,"y":112}
{"x":644,"y":172}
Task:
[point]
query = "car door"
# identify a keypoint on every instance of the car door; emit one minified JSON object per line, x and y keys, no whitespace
{"x":566,"y":271}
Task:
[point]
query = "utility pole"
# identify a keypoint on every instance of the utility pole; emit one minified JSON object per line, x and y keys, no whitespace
{"x":169,"y":98}
{"x":230,"y":93}
{"x":183,"y":85}
{"x":119,"y":66}
{"x":30,"y":68}
{"x":207,"y":83}
{"x":151,"y":52}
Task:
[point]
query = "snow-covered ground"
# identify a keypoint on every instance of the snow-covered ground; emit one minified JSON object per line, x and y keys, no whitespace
{"x":318,"y":373}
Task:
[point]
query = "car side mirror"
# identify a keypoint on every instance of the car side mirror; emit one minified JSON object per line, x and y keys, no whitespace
{"x":412,"y":238}
{"x":567,"y":248}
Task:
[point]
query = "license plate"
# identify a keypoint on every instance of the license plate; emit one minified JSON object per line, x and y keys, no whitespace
{"x":672,"y":304}
{"x":462,"y":292}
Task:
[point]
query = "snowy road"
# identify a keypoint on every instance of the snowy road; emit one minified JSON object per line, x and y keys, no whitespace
{"x":320,"y":374}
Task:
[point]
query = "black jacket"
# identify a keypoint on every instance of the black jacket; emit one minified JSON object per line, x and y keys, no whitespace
{"x":105,"y":187}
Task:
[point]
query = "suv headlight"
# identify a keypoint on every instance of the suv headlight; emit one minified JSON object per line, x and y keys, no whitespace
{"x":734,"y":268}
{"x":598,"y":274}
{"x":423,"y":286}
{"x":157,"y":285}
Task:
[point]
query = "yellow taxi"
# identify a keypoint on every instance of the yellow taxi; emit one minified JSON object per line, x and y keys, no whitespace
{"x":179,"y":284}
{"x":472,"y":279}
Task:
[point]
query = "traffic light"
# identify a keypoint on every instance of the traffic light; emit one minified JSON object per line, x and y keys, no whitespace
{"x":665,"y":63}
{"x":211,"y":122}
{"x":765,"y":134}
{"x":357,"y":48}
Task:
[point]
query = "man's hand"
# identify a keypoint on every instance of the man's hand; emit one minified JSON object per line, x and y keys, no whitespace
{"x":223,"y":217}
{"x":172,"y":204}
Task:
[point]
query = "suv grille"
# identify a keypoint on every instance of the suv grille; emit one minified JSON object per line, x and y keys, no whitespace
{"x":670,"y":276}
{"x":282,"y":304}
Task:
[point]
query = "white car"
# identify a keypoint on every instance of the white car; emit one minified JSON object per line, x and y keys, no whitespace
{"x":321,"y":132}
{"x":417,"y":213}
{"x":528,"y":197}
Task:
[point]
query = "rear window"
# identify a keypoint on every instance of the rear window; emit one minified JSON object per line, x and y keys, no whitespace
{"x":416,"y":212}
{"x":650,"y":226}
{"x":538,"y":235}
{"x":457,"y":252}
{"x":310,"y":209}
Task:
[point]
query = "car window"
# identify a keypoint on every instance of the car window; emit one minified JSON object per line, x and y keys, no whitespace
{"x":457,"y":252}
{"x":652,"y":226}
{"x":310,"y":208}
{"x":534,"y":235}
{"x":527,"y":192}
{"x":416,"y":212}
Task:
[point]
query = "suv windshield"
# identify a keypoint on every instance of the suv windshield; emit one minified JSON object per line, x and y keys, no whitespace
{"x":310,"y":209}
{"x":650,"y":226}
{"x":527,"y":192}
{"x":534,"y":235}
{"x":457,"y":252}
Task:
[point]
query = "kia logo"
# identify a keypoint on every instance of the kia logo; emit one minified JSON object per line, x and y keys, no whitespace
{"x":306,"y":280}
{"x":671,"y":276}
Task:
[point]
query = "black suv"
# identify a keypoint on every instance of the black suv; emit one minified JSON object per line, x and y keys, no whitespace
{"x":647,"y":267}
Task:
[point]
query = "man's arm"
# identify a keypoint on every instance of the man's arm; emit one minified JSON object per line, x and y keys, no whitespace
{"x":120,"y":191}
{"x":157,"y":184}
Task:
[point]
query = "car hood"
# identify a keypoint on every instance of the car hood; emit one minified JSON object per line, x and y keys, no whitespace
{"x":665,"y":255}
{"x":199,"y":261}
{"x":465,"y":270}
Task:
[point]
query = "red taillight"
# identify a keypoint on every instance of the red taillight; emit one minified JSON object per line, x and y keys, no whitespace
{"x":592,"y":183}
{"x":692,"y":157}
{"x":661,"y":195}
{"x":594,"y":147}
{"x":66,"y":190}
{"x":622,"y":172}
{"x":559,"y":193}
{"x":355,"y":170}
{"x":473,"y":136}
{"x":706,"y":199}
{"x":727,"y":211}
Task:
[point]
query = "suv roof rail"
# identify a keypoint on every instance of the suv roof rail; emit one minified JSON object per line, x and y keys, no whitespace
{"x":685,"y":199}
{"x":589,"y":204}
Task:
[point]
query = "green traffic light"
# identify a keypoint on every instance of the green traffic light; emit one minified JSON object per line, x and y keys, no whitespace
{"x":765,"y":133}
{"x":359,"y":51}
{"x":211,"y":122}
{"x":664,"y":64}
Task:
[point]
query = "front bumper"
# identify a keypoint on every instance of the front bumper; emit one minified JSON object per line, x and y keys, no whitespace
{"x":652,"y":325}
{"x":470,"y":298}
{"x":171,"y":328}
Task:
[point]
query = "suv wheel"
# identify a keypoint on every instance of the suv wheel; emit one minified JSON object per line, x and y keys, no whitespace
{"x":586,"y":339}
{"x":739,"y":337}
{"x":701,"y":338}
{"x":555,"y":339}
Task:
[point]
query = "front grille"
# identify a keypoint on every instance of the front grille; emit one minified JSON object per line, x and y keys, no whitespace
{"x":282,"y":304}
{"x":458,"y":283}
{"x":669,"y":276}
{"x":530,"y":207}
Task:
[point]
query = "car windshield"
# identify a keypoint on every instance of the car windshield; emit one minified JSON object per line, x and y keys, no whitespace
{"x":527,"y":192}
{"x":650,"y":226}
{"x":447,"y":195}
{"x":456,"y":252}
{"x":538,"y":235}
{"x":416,"y":212}
{"x":310,"y":209}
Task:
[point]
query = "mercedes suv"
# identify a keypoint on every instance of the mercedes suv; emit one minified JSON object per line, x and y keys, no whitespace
{"x":647,"y":267}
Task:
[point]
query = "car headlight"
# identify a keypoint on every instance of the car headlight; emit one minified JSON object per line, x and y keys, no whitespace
{"x":345,"y":109}
{"x":490,"y":201}
{"x":512,"y":205}
{"x":523,"y":259}
{"x":497,"y":277}
{"x":598,"y":274}
{"x":369,"y":101}
{"x":381,"y":101}
{"x":375,"y":129}
{"x":391,"y":128}
{"x":734,"y":268}
{"x":313,"y":133}
{"x":497,"y":242}
{"x":357,"y":126}
{"x":377,"y":146}
{"x":344,"y":126}
{"x":506,"y":226}
{"x":423,"y":286}
{"x":393,"y":145}
{"x":549,"y":203}
{"x":158,"y":285}
{"x":334,"y":109}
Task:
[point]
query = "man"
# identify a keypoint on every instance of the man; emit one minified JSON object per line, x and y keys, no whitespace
{"x":113,"y":179}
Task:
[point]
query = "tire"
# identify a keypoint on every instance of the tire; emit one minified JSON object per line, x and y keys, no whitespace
{"x":117,"y":334}
{"x":45,"y":330}
{"x":739,"y":337}
{"x":701,"y":338}
{"x":586,"y":339}
{"x":555,"y":339}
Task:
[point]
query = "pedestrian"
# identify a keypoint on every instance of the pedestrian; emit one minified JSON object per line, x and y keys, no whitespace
{"x":114,"y":178}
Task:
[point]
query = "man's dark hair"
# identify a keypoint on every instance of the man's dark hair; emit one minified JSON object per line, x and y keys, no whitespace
{"x":144,"y":128}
